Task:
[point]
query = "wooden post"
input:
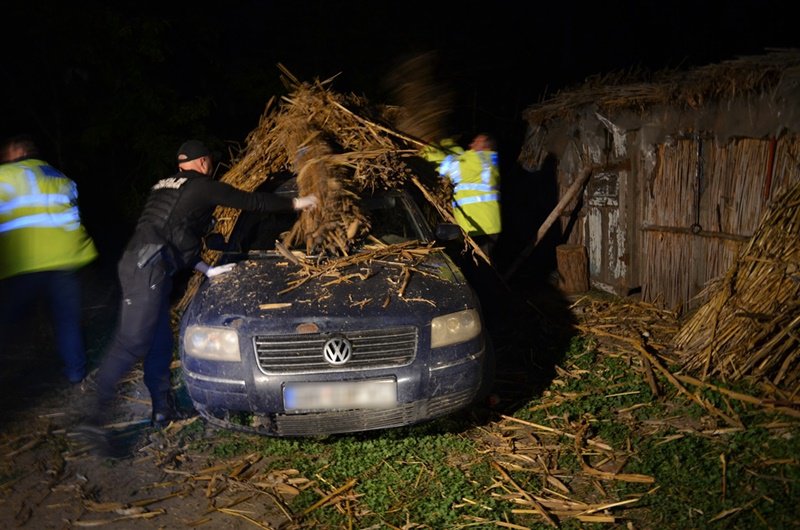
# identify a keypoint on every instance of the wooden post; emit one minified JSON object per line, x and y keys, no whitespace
{"x":568,"y":196}
{"x":573,"y":268}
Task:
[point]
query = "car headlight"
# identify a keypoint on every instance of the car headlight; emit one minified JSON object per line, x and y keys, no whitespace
{"x":455,"y":328}
{"x":215,"y":344}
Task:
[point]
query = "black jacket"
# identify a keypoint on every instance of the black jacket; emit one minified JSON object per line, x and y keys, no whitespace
{"x":178,"y":211}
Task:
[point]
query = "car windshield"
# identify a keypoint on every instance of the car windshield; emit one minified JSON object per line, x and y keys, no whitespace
{"x":390,"y":215}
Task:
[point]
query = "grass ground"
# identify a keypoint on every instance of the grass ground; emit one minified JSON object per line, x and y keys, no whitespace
{"x":594,"y":430}
{"x":596,"y":445}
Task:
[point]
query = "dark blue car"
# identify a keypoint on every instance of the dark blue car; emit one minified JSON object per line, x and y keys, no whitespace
{"x":380,"y":343}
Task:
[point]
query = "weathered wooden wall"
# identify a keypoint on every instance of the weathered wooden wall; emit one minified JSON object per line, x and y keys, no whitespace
{"x":671,"y":227}
{"x":607,"y":210}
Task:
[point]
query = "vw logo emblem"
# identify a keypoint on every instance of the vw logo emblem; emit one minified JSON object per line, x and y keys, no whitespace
{"x":337,"y":350}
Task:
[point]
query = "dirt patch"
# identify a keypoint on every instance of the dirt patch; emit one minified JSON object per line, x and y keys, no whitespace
{"x":50,"y":479}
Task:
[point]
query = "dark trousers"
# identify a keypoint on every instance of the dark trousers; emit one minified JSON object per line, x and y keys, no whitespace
{"x":61,"y":291}
{"x":485,"y":279}
{"x":486,"y":243}
{"x":143,"y":334}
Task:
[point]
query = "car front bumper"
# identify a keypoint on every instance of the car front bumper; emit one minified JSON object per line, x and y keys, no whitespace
{"x":255,"y":403}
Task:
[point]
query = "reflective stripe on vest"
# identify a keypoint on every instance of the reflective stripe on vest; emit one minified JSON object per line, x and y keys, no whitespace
{"x":476,"y":198}
{"x":475,"y":187}
{"x":39,"y":199}
{"x":488,"y":162}
{"x":68,"y":219}
{"x":450,"y":167}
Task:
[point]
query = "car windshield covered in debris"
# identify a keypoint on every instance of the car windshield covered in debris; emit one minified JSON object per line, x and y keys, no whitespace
{"x":390,"y":336}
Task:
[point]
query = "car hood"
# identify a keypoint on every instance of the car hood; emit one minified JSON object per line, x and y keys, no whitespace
{"x":271,"y":288}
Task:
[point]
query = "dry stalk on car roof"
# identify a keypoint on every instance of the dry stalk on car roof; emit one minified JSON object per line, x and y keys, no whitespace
{"x":406,"y":256}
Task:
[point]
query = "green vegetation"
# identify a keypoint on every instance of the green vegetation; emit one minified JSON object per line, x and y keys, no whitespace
{"x":416,"y":474}
{"x":440,"y":475}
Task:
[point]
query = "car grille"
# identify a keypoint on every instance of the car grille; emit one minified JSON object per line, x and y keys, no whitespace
{"x":373,"y":349}
{"x":319,"y":423}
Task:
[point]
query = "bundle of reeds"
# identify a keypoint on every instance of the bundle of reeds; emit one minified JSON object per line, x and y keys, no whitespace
{"x":339,"y":146}
{"x":750,"y":324}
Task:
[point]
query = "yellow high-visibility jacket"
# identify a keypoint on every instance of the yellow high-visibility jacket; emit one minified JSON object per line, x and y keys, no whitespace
{"x":40,"y":226}
{"x":476,"y":181}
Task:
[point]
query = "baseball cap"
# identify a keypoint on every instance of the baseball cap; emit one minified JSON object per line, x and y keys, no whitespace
{"x":192,"y":149}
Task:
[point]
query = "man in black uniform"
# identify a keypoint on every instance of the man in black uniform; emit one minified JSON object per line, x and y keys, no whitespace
{"x":167,"y":239}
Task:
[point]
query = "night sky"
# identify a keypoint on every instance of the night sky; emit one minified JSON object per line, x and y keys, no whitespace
{"x":111,"y":89}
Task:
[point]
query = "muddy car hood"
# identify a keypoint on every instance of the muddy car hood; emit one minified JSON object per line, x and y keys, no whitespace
{"x":261,"y":289}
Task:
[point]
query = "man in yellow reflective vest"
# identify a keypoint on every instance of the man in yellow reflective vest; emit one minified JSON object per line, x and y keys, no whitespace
{"x":476,"y":180}
{"x":476,"y":207}
{"x":42,"y":245}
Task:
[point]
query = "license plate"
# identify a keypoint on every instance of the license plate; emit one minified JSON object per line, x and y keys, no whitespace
{"x":340,"y":395}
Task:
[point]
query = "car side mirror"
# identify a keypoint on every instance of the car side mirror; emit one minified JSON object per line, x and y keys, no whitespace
{"x":447,"y":232}
{"x":215,"y":241}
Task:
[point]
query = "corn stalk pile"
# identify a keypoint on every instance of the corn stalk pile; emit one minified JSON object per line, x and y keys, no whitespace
{"x":340,"y":147}
{"x":750,"y":324}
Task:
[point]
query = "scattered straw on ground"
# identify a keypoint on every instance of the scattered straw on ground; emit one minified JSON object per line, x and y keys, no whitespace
{"x":527,"y":457}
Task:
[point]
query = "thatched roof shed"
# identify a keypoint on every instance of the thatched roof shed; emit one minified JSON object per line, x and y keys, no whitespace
{"x":683,"y":164}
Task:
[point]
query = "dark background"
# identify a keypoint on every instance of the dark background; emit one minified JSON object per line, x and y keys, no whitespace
{"x":111,"y":89}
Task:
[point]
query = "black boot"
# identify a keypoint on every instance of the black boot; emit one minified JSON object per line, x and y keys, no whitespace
{"x":96,"y":438}
{"x":91,"y":430}
{"x":165,"y":411}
